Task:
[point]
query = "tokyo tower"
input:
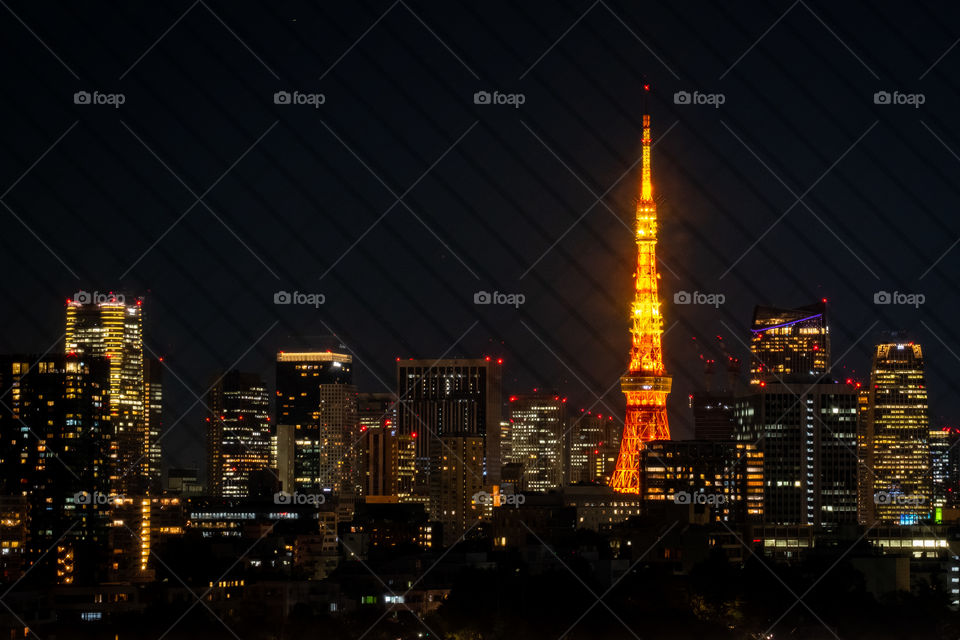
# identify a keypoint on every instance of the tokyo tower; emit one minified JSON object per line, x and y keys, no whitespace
{"x":646,"y":383}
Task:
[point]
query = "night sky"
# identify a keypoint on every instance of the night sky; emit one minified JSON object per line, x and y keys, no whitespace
{"x":203,"y":195}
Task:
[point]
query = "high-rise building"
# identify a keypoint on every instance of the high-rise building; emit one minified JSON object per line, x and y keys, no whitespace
{"x":153,"y":380}
{"x":538,"y":435}
{"x":896,"y":430}
{"x":317,"y":425}
{"x":455,"y":397}
{"x":807,"y":434}
{"x":646,"y":383}
{"x":725,"y":476}
{"x":379,"y":446}
{"x":790,"y":345}
{"x":712,"y":415}
{"x":113,"y":329}
{"x":55,"y":454}
{"x":239,"y":439}
{"x":455,"y":478}
{"x":594,"y":446}
{"x":945,"y":466}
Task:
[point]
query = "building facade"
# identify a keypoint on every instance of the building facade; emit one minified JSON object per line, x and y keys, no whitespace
{"x":807,"y":434}
{"x":789,"y":345}
{"x":538,"y":436}
{"x":896,"y":431}
{"x":239,"y":434}
{"x":113,"y":328}
{"x":318,"y":429}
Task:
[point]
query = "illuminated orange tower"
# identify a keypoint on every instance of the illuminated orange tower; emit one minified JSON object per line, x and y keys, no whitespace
{"x":646,"y":384}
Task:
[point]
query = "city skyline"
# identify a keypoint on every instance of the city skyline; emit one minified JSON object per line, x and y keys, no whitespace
{"x":402,"y":319}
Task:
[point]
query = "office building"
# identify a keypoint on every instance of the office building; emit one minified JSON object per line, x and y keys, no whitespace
{"x":807,"y":434}
{"x":594,"y":442}
{"x":111,"y":328}
{"x":712,"y":415}
{"x":153,"y":395}
{"x":239,"y":438}
{"x":456,"y":477}
{"x":379,"y":446}
{"x":449,"y":397}
{"x":538,"y":435}
{"x":896,"y":431}
{"x":945,"y":466}
{"x":317,"y":425}
{"x":55,"y":456}
{"x":725,"y":477}
{"x":789,"y":345}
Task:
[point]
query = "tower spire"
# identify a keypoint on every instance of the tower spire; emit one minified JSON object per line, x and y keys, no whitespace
{"x":647,"y":383}
{"x":646,"y":187}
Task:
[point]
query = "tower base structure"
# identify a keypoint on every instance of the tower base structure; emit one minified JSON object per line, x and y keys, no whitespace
{"x":646,"y":420}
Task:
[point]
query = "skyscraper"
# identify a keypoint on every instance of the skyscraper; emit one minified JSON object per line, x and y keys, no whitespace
{"x":455,"y":478}
{"x":712,"y":415}
{"x":594,"y":446}
{"x":55,"y":454}
{"x":804,"y":423}
{"x":646,"y":384}
{"x":945,"y":466}
{"x":113,"y":329}
{"x":317,"y":425}
{"x":807,"y":434}
{"x":379,"y":446}
{"x":789,"y":345}
{"x":451,"y":409}
{"x":897,"y":427}
{"x":239,"y":443}
{"x":538,"y":433}
{"x":153,"y":380}
{"x":455,"y":397}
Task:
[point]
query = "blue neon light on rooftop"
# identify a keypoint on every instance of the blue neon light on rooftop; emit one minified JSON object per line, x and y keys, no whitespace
{"x":787,"y":324}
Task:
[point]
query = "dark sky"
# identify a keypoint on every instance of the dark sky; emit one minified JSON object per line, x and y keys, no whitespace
{"x":487,"y":189}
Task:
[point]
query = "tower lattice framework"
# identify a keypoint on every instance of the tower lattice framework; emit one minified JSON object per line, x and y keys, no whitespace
{"x":646,"y":383}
